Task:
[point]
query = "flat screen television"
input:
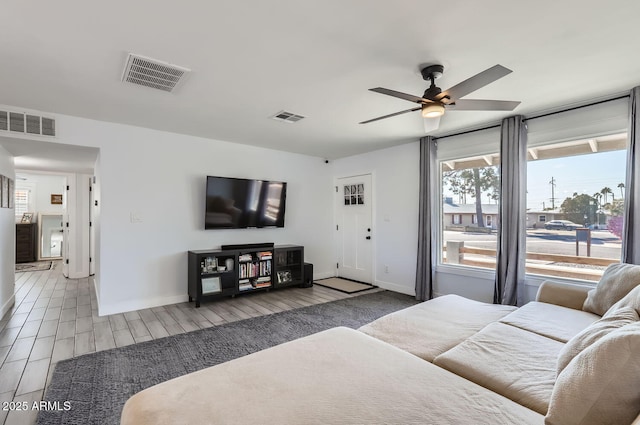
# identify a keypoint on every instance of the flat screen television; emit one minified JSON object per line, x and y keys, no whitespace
{"x":233,"y":203}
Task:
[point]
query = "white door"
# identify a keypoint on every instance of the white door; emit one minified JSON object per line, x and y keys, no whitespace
{"x":355,"y":235}
{"x":92,"y":228}
{"x":65,"y":245}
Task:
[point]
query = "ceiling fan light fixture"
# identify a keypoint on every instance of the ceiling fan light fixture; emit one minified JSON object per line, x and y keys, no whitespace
{"x":433,"y":110}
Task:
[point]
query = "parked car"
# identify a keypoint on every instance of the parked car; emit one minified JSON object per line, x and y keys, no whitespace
{"x":561,"y":225}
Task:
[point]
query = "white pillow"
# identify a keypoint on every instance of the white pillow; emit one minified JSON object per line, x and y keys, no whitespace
{"x":594,"y":332}
{"x":632,"y":299}
{"x":616,"y":282}
{"x":601,"y":385}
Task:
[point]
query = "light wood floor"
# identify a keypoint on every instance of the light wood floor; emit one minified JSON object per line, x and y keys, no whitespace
{"x":55,"y":318}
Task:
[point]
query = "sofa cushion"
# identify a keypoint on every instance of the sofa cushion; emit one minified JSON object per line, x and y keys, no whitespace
{"x":432,"y":327}
{"x":601,"y":385}
{"x":632,"y":299}
{"x":594,"y":332}
{"x":616,"y":282}
{"x":339,"y":376}
{"x":515,"y":363}
{"x":550,"y":320}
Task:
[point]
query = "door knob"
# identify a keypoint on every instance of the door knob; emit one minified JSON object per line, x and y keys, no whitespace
{"x":368,"y":237}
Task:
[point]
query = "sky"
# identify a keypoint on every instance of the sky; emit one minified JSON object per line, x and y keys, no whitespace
{"x":582,"y":174}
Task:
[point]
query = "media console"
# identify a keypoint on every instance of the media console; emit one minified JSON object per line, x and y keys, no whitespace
{"x":239,"y":269}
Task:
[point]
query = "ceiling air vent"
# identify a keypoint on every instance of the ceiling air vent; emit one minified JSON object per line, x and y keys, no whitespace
{"x":19,"y":122}
{"x":153,"y":73}
{"x":285,"y":116}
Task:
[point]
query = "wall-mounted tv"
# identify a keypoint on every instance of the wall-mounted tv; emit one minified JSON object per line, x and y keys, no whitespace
{"x":241,"y":203}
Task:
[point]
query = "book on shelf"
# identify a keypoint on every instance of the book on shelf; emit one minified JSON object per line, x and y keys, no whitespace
{"x":245,"y":257}
{"x":263,"y":284}
{"x":245,"y":287}
{"x":265,"y":255}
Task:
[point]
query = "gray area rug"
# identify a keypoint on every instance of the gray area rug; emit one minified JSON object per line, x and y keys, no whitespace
{"x":97,"y":385}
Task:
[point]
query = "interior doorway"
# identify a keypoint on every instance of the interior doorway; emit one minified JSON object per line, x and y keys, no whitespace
{"x":354,"y":242}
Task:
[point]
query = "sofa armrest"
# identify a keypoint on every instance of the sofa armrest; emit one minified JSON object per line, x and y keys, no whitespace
{"x":562,"y":294}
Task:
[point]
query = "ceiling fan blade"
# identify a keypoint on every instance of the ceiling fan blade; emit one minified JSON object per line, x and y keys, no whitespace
{"x":405,"y":96}
{"x":483,"y":105}
{"x":431,"y":124}
{"x":392,"y":115}
{"x":474,"y":83}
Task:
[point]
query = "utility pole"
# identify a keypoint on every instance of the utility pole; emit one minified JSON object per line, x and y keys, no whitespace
{"x":553,"y":193}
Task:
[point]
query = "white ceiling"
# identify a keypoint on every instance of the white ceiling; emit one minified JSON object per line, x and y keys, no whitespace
{"x":254,"y":58}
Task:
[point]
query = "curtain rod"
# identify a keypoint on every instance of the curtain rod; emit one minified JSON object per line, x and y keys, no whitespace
{"x":577,"y":107}
{"x":469,"y":131}
{"x":535,"y":117}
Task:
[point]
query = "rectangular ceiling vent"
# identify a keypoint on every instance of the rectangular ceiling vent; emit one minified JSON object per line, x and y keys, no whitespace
{"x":153,"y":73}
{"x":18,"y":122}
{"x":285,"y":116}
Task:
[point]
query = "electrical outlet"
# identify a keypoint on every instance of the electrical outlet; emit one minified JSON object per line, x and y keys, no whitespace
{"x":386,"y":268}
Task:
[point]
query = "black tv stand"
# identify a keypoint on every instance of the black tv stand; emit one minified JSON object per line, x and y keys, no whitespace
{"x":247,"y":246}
{"x":239,"y":269}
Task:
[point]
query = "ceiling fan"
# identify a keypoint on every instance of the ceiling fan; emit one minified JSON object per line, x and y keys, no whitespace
{"x":434,"y":101}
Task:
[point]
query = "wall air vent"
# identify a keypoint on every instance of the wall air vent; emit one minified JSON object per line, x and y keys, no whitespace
{"x":153,"y":73}
{"x":18,"y":122}
{"x":285,"y":116}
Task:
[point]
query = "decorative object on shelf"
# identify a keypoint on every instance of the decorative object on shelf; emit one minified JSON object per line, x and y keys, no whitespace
{"x":229,"y":263}
{"x":56,"y":199}
{"x":284,"y":276}
{"x":27,"y":218}
{"x":211,"y":285}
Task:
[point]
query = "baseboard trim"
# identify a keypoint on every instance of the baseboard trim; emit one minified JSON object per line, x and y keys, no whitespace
{"x":132,"y":305}
{"x":395,"y":287}
{"x":7,"y":306}
{"x":325,"y":275}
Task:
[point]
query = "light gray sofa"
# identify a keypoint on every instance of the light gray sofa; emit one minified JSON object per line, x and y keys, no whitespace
{"x":570,"y":357}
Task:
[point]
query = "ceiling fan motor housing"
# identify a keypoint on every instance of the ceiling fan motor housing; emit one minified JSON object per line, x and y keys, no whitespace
{"x":431,"y":73}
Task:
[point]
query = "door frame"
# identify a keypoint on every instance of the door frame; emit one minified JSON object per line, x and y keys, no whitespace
{"x":337,"y":202}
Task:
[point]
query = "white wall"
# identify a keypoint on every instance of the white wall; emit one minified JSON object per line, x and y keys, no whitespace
{"x":7,"y":241}
{"x":41,"y":187}
{"x":160,"y":177}
{"x":396,"y":174}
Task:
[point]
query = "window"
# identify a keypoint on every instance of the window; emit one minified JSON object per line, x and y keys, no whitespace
{"x":576,"y":184}
{"x":469,"y":182}
{"x":21,"y":201}
{"x":470,"y":190}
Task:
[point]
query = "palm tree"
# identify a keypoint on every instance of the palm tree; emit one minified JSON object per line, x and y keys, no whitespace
{"x":605,"y":192}
{"x":598,"y":197}
{"x":621,"y":187}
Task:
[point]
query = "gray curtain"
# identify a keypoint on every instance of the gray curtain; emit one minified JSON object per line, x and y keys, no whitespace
{"x":509,"y":283}
{"x":631,"y":228}
{"x":426,"y":210}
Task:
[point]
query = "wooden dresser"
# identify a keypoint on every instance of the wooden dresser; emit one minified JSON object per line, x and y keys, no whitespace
{"x":26,"y":242}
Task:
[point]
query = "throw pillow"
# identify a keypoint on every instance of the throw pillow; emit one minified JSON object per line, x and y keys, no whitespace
{"x":616,"y":282}
{"x":601,"y":385}
{"x":594,"y":332}
{"x":632,"y":299}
